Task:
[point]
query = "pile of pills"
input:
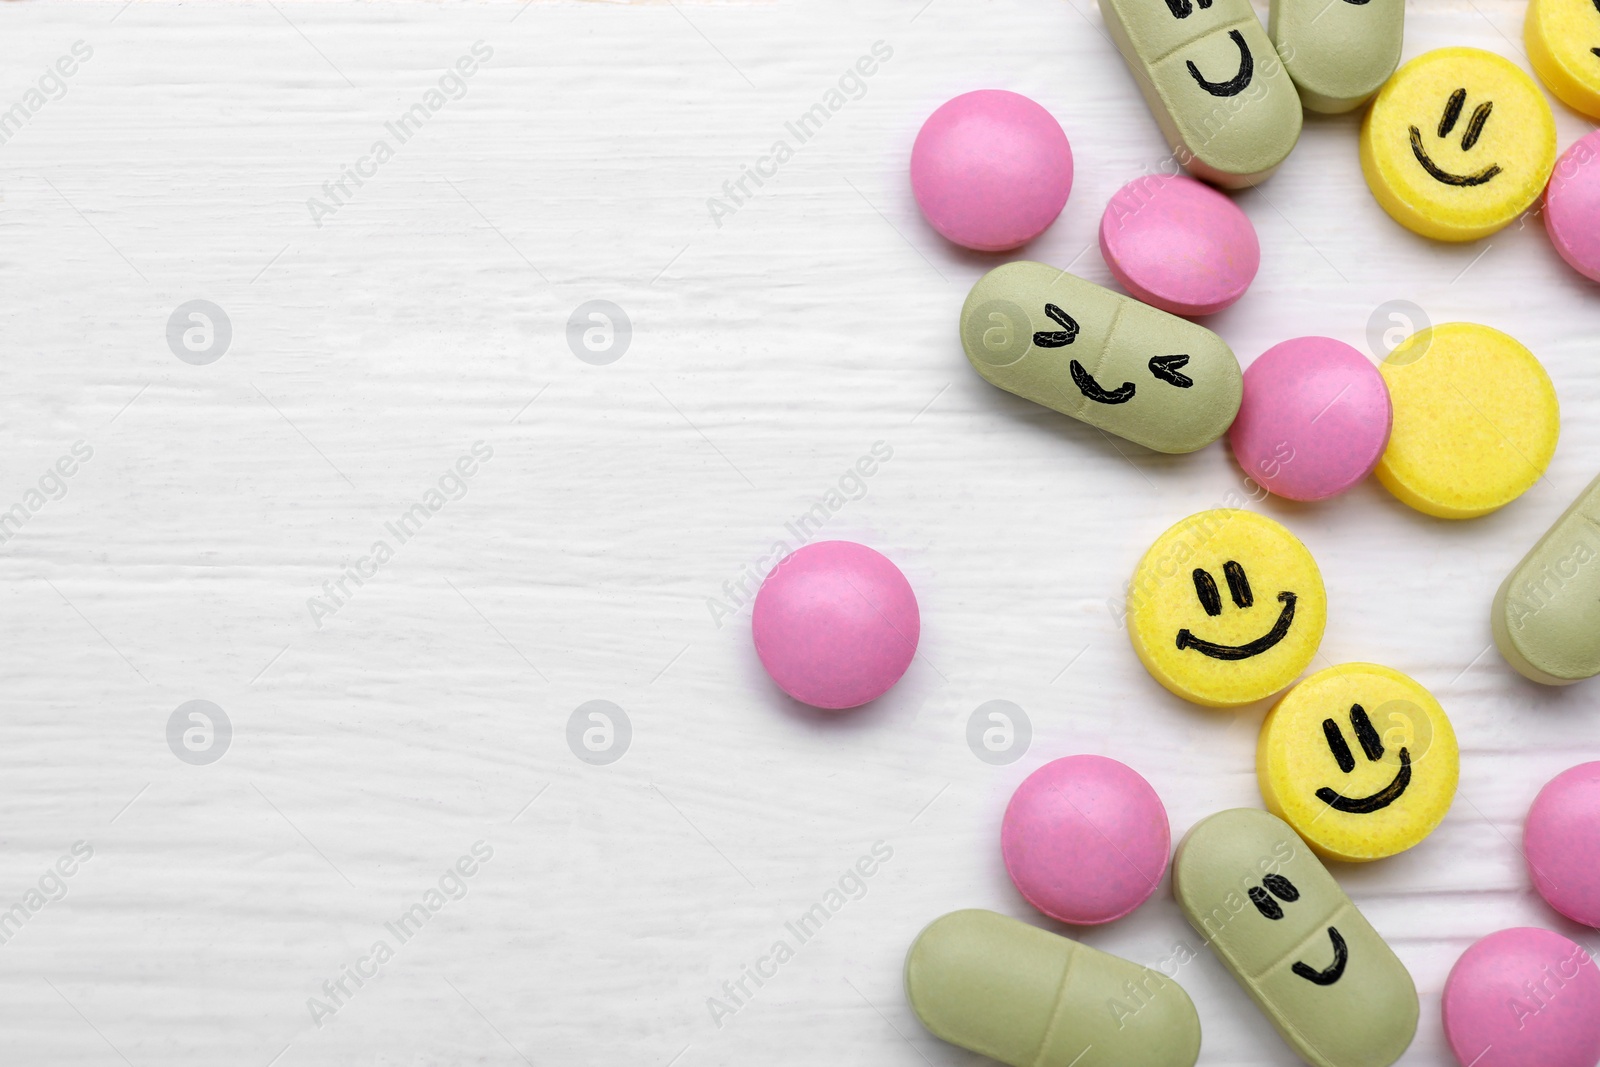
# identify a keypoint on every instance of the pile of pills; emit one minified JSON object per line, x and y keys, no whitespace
{"x":1356,"y":762}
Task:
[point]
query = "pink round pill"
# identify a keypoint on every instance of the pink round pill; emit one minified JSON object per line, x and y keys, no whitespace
{"x":836,"y":624}
{"x":1562,"y":843}
{"x":1572,"y":206}
{"x":991,"y":170}
{"x":1314,"y":420}
{"x":1085,"y":839}
{"x":1179,"y":244}
{"x":1523,"y":998}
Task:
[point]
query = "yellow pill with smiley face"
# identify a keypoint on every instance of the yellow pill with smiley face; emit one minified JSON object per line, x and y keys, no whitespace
{"x":1457,"y":144}
{"x":1563,"y":39}
{"x":1360,"y":760}
{"x":1227,"y":607}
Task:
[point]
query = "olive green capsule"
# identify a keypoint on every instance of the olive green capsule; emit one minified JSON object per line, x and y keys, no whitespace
{"x":1025,"y":996}
{"x":1213,"y":82}
{"x":1259,"y":896}
{"x":1546,"y":615}
{"x":1103,"y":358}
{"x":1338,"y":52}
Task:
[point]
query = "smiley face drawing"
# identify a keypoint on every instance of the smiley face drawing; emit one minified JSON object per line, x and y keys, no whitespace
{"x":1227,"y":607}
{"x":1275,"y":917}
{"x":1563,"y":40}
{"x":1360,"y":760}
{"x":1457,"y":144}
{"x":1213,"y":81}
{"x":1103,"y":358}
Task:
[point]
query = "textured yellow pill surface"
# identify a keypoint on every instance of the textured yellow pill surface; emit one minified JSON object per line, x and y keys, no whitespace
{"x":1213,"y":82}
{"x":1561,"y":36}
{"x":1457,"y":144}
{"x":1226,"y":607}
{"x":1475,"y":420}
{"x":1360,"y":760}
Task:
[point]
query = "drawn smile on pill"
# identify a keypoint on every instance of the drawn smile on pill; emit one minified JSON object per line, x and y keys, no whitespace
{"x":1164,"y":368}
{"x":1447,"y":123}
{"x":1372,"y":746}
{"x":1234,"y":85}
{"x":1205,"y":588}
{"x":1279,"y":887}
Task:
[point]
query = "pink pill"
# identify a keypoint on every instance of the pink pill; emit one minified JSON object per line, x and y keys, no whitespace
{"x":1523,"y":998}
{"x":1179,"y":244}
{"x":1314,"y":420}
{"x":1572,"y":206}
{"x":1085,"y":839}
{"x":1562,"y":843}
{"x":836,"y":624}
{"x":991,"y":170}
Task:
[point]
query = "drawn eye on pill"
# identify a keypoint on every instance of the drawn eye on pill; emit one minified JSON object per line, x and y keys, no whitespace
{"x":1205,"y":588}
{"x":1163,"y":368}
{"x":1182,"y":9}
{"x":1275,"y":887}
{"x":1372,"y":748}
{"x":1469,"y":138}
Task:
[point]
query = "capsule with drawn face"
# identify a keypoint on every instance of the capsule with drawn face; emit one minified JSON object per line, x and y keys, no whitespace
{"x":1331,"y":986}
{"x":1213,"y":82}
{"x":1027,"y":997}
{"x":1103,"y":358}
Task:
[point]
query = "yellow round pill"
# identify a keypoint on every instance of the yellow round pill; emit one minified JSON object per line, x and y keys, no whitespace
{"x":1562,"y":36}
{"x":1475,"y":420}
{"x":1360,"y":760}
{"x":1458,"y":143}
{"x":1226,"y":607}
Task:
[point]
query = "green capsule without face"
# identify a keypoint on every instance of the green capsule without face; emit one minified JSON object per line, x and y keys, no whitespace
{"x":1270,"y":910}
{"x":1025,"y":996}
{"x":1103,"y":358}
{"x":1213,"y":82}
{"x":1546,"y":614}
{"x":1337,"y":52}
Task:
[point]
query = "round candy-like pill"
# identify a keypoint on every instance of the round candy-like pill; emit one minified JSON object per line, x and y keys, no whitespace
{"x":1572,"y":202}
{"x":1457,"y":144}
{"x":1475,"y":420}
{"x":836,"y":624}
{"x":991,"y":170}
{"x":1314,"y":420}
{"x":1561,"y":36}
{"x":1226,"y":607}
{"x":1561,"y":841}
{"x":1030,"y":998}
{"x":1360,"y":760}
{"x":1085,"y":839}
{"x":1179,"y":245}
{"x":1523,"y":997}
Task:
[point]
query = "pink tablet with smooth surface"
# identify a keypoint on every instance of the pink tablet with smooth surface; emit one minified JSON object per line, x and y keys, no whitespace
{"x":1561,"y":841}
{"x":1572,"y":206}
{"x":835,"y":624}
{"x":1179,"y":245}
{"x":1085,"y":839}
{"x":1524,"y":997}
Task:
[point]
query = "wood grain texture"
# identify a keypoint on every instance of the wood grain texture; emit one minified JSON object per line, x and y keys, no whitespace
{"x":768,"y":354}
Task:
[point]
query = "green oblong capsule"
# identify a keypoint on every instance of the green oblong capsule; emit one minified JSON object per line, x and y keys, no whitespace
{"x":1027,"y":997}
{"x":1101,"y":357}
{"x":1332,"y":987}
{"x":1337,"y":53}
{"x":1213,"y":81}
{"x":1546,"y":614}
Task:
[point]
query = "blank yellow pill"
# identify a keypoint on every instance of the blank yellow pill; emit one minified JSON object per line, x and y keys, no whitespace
{"x":1226,"y":607}
{"x":1458,"y":143}
{"x":1360,"y":760}
{"x":1561,"y":36}
{"x":1475,"y":421}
